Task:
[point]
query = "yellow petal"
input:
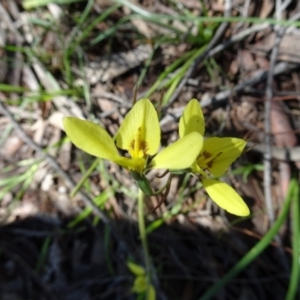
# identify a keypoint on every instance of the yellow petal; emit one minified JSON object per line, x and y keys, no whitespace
{"x":90,"y":138}
{"x":139,"y":284}
{"x":219,"y":153}
{"x":192,"y":119}
{"x":151,"y":295}
{"x":181,"y":154}
{"x":135,"y":164}
{"x":226,"y":197}
{"x":135,"y":269}
{"x":139,"y":133}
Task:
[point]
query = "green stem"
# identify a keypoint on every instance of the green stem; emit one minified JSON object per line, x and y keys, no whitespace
{"x":143,"y":236}
{"x":295,"y":273}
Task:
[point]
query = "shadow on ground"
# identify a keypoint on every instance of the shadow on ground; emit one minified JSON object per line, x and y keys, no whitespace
{"x":41,"y":258}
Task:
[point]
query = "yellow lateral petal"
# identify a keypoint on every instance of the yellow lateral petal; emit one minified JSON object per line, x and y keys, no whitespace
{"x":139,"y":284}
{"x":223,"y":151}
{"x":192,"y":119}
{"x":151,"y":293}
{"x":226,"y":197}
{"x":135,"y":269}
{"x":90,"y":138}
{"x":181,"y":154}
{"x":139,"y":133}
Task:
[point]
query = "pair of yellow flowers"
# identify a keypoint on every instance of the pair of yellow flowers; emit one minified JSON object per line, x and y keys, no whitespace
{"x":139,"y":134}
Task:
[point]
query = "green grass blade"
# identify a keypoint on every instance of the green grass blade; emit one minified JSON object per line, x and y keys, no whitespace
{"x":146,"y":66}
{"x":152,"y":17}
{"x":27,"y":181}
{"x":100,"y":201}
{"x":110,"y":31}
{"x":85,"y":177}
{"x":294,"y":282}
{"x":5,"y":133}
{"x":173,"y":82}
{"x":168,"y":71}
{"x":12,"y":88}
{"x":258,"y":248}
{"x":89,"y":28}
{"x":80,"y":217}
{"x":107,"y":252}
{"x":86,"y":12}
{"x":43,"y":255}
{"x":85,"y":87}
{"x":29,"y":4}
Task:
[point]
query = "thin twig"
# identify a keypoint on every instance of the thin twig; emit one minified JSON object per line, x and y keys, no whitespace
{"x":10,"y":24}
{"x":267,"y":130}
{"x":223,"y":96}
{"x":284,"y":5}
{"x":267,"y":121}
{"x":237,"y":37}
{"x":112,"y":97}
{"x":259,"y":77}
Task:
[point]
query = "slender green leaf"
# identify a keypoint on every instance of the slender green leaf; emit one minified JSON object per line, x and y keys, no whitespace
{"x":29,"y":4}
{"x":294,"y":281}
{"x":257,"y":249}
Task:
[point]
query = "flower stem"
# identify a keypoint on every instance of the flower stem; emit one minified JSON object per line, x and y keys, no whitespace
{"x":143,"y":236}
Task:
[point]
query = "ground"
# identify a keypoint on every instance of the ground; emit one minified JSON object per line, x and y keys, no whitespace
{"x":69,"y":221}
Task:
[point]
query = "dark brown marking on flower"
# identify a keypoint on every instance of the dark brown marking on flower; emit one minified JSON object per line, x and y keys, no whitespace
{"x":138,"y":144}
{"x":211,"y":162}
{"x":143,"y":146}
{"x":206,"y":154}
{"x":132,"y":144}
{"x":220,"y":153}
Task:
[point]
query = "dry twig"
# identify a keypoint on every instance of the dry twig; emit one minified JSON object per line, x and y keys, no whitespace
{"x":267,"y":123}
{"x":215,"y":39}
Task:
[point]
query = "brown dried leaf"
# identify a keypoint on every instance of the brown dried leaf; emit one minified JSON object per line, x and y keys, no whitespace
{"x":289,"y":50}
{"x":118,"y":64}
{"x":266,"y":8}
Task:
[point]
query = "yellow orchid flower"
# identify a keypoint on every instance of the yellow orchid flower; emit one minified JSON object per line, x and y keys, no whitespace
{"x":139,"y":135}
{"x":141,"y":283}
{"x":216,"y":155}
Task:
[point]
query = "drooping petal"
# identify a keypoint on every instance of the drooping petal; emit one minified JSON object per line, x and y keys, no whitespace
{"x":151,"y":295}
{"x":90,"y":138}
{"x":139,"y":133}
{"x":181,"y":154}
{"x":219,"y":153}
{"x":226,"y":197}
{"x":192,"y":119}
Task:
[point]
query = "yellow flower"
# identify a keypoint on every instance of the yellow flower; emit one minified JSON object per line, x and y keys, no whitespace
{"x":141,"y":283}
{"x":216,"y":155}
{"x":139,"y":135}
